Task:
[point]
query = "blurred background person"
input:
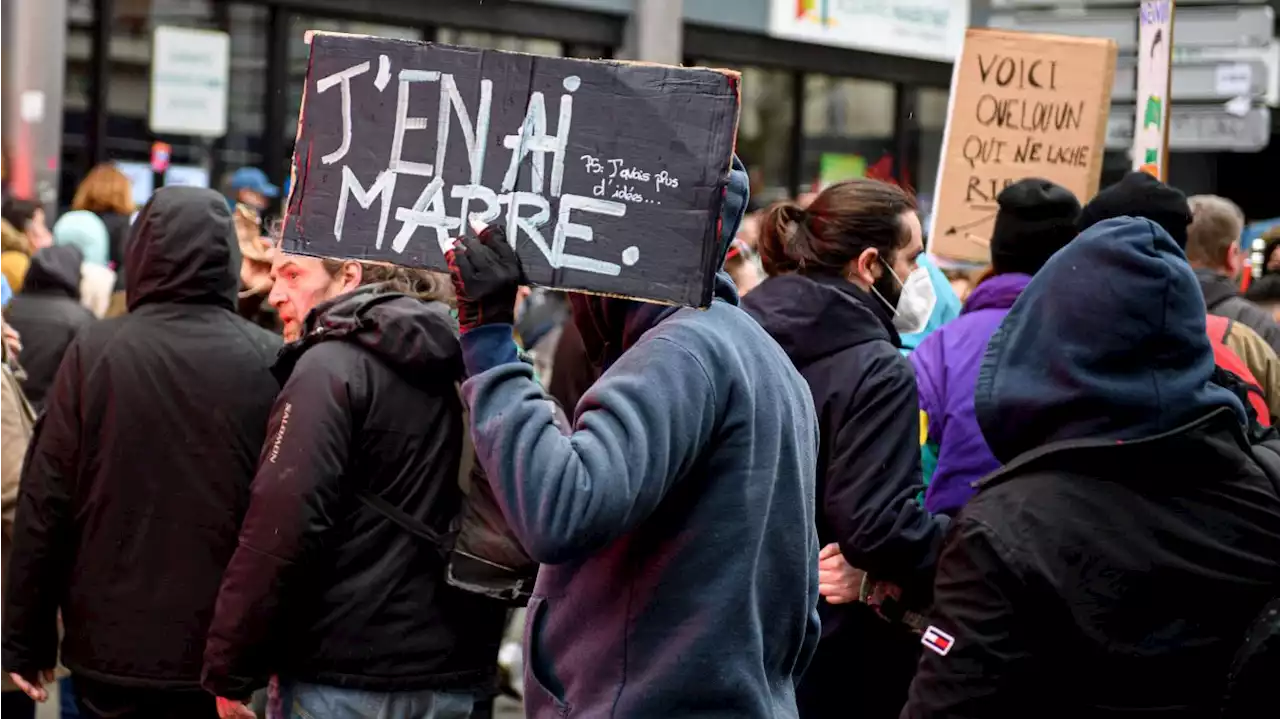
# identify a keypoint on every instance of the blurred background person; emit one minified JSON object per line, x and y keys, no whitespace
{"x":107,"y":193}
{"x":27,"y":216}
{"x":17,"y":420}
{"x":15,"y":257}
{"x":256,"y":252}
{"x":134,"y":489}
{"x":1035,"y":219}
{"x":1265,"y":293}
{"x":250,"y":187}
{"x":84,"y":231}
{"x":48,"y":315}
{"x":844,"y":281}
{"x":1213,"y":249}
{"x":743,"y":267}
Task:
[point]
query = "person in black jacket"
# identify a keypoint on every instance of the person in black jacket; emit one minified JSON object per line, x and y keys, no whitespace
{"x":139,"y":473}
{"x":47,"y":314}
{"x":326,"y":592}
{"x":835,"y":301}
{"x":1113,"y":566}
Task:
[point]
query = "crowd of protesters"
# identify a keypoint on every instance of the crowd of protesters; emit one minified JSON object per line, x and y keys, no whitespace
{"x":240,"y":482}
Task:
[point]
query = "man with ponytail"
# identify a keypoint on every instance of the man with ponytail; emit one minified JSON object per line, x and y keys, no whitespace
{"x":844,"y":282}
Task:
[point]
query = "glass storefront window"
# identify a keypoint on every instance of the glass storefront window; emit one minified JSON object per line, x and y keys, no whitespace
{"x":75,"y":100}
{"x":491,"y":41}
{"x":129,"y":137}
{"x":764,"y":130}
{"x":930,"y":122}
{"x":848,"y":130}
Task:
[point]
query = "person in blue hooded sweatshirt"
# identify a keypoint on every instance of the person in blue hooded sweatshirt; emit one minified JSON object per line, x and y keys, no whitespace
{"x":1112,"y":567}
{"x":675,"y":523}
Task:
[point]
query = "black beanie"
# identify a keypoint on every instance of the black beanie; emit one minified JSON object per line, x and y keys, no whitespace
{"x":1036,"y":219}
{"x":1141,"y":195}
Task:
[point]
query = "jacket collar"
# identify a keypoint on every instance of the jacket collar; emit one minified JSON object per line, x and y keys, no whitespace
{"x":1089,"y":454}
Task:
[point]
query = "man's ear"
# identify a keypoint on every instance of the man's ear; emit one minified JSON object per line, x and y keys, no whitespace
{"x":352,"y":275}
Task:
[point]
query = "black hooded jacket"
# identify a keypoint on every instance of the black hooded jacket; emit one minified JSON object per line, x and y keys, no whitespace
{"x":139,"y":470}
{"x":844,"y":343}
{"x":1113,"y":566}
{"x":47,"y":314}
{"x":323,"y":588}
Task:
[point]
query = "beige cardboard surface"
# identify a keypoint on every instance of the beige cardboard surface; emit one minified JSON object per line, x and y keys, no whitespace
{"x":1022,"y":105}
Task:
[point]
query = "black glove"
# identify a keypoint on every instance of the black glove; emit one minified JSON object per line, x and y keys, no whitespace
{"x":486,"y":276}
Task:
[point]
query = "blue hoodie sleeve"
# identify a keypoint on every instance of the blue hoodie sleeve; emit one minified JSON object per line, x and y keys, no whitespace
{"x":639,"y":428}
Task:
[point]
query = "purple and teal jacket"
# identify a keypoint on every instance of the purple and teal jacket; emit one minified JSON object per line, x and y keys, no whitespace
{"x":947,"y":364}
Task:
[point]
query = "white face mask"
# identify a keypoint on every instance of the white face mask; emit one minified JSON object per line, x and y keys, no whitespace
{"x":915,"y":303}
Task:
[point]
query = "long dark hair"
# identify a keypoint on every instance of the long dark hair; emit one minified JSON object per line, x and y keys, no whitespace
{"x":845,"y":219}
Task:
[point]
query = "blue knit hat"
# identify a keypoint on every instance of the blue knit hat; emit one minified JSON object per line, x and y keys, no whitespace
{"x":84,"y":230}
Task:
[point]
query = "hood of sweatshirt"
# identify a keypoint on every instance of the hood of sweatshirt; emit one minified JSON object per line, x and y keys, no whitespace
{"x":1107,"y":342}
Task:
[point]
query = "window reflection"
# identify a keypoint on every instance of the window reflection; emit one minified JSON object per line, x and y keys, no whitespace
{"x":848,"y":129}
{"x":493,"y":41}
{"x":929,"y":124}
{"x":764,"y":130}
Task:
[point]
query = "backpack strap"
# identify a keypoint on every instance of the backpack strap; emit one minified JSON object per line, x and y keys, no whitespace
{"x":1227,"y":332}
{"x":442,"y":542}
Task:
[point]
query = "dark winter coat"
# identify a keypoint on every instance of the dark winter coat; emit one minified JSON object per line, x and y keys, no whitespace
{"x":843,"y":342}
{"x":139,"y":471}
{"x":323,"y":588}
{"x":1112,"y":567}
{"x":47,"y":315}
{"x":1222,"y":297}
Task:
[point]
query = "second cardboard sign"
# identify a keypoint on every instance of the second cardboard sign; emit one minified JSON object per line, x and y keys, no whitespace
{"x":1022,"y":105}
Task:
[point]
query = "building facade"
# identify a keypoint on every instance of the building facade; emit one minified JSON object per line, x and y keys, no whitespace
{"x":828,"y":91}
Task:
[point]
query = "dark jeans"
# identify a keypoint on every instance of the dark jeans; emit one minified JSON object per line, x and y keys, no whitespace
{"x":98,"y":700}
{"x":17,"y":705}
{"x":862,"y":670}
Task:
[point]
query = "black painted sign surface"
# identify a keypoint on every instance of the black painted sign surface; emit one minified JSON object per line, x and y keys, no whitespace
{"x":607,"y":175}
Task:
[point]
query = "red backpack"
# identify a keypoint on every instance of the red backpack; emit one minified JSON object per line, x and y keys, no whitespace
{"x":1219,"y":328}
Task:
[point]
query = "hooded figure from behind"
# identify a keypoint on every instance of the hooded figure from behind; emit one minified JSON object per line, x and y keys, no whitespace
{"x":47,"y":314}
{"x":1112,"y":567}
{"x":86,"y":232}
{"x":1036,"y":219}
{"x":1237,"y":348}
{"x":139,"y":472}
{"x":675,"y":523}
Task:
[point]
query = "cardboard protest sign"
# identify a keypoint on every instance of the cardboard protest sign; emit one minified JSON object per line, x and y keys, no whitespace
{"x":1151,"y":127}
{"x":608,"y":176}
{"x":1022,"y":105}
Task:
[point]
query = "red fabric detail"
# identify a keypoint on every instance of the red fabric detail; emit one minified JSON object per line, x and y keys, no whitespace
{"x":1227,"y":359}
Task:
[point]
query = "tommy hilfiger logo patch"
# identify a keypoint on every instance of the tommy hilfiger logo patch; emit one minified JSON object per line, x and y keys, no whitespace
{"x":937,"y":640}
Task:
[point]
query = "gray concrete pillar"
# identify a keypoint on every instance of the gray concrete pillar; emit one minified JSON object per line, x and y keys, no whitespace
{"x":34,"y":34}
{"x":655,"y":32}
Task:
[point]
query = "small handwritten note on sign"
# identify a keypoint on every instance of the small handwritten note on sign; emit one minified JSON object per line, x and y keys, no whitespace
{"x":608,"y":176}
{"x":1023,"y":105}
